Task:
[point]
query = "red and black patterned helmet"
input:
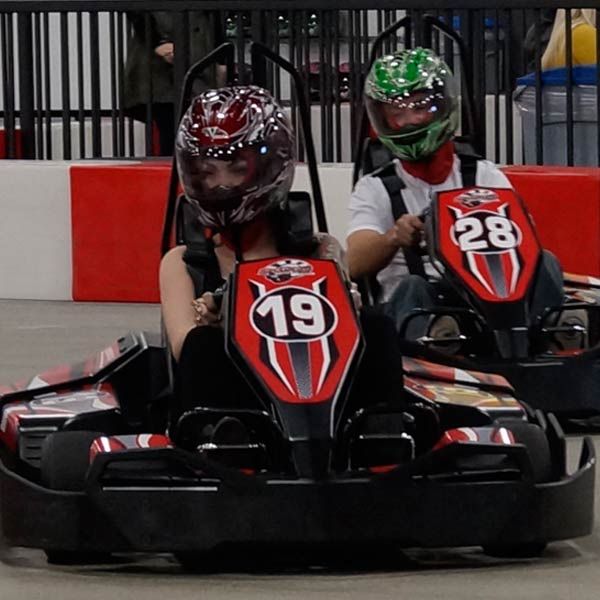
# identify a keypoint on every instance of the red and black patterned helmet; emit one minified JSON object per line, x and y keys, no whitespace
{"x":243,"y":130}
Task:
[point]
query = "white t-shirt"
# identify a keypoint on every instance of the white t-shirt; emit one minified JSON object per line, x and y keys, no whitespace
{"x":371,"y":208}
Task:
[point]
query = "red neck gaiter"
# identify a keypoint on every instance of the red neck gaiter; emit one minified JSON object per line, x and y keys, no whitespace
{"x":435,"y":168}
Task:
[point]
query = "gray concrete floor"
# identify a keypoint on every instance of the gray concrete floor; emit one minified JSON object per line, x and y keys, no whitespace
{"x":36,"y":335}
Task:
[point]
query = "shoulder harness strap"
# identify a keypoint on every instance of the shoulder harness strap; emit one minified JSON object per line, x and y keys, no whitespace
{"x":468,"y":163}
{"x":394,"y":186}
{"x":202,"y":266}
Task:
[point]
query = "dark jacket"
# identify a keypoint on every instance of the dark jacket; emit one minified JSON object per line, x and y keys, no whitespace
{"x":546,"y":24}
{"x":140,"y":87}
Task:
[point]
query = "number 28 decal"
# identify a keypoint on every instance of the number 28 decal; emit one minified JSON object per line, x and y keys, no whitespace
{"x":484,"y":232}
{"x":293,"y":314}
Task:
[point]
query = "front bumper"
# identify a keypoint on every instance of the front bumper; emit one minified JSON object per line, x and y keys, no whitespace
{"x":397,"y":508}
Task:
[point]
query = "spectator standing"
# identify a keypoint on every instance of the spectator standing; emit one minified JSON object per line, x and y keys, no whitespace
{"x":150,"y":77}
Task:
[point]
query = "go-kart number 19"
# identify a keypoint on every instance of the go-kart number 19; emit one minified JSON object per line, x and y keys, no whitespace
{"x":292,"y":314}
{"x":485,"y":233}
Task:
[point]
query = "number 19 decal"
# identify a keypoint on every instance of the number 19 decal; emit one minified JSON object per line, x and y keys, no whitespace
{"x":292,"y":314}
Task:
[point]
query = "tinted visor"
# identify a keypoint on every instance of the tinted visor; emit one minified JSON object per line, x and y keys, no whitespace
{"x":220,"y":183}
{"x":408,"y":115}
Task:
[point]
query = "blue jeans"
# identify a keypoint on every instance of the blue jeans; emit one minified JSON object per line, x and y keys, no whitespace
{"x":415,"y":292}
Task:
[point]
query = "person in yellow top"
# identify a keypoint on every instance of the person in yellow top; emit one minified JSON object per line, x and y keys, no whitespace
{"x":583,"y":39}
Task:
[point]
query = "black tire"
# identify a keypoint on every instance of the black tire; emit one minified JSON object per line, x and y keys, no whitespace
{"x":65,"y":459}
{"x":534,"y":439}
{"x":72,"y":557}
{"x":200,"y":562}
{"x":65,"y":462}
{"x":531,"y":550}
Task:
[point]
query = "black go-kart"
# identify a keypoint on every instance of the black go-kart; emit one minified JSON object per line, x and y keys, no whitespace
{"x":484,"y":246}
{"x":87,"y":469}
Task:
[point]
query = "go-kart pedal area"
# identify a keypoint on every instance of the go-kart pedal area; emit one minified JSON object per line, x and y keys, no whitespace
{"x":88,"y":231}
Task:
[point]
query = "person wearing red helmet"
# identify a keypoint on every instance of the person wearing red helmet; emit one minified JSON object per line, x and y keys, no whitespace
{"x":235,"y":156}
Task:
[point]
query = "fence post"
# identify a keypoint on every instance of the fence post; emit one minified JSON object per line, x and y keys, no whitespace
{"x":26,"y":89}
{"x":259,"y":66}
{"x":181,"y":30}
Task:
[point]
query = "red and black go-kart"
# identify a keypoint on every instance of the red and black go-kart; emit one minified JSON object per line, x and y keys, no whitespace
{"x":483,"y":242}
{"x":86,"y":466}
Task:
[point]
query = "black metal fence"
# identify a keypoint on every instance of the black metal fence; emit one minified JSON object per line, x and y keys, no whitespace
{"x":90,"y":79}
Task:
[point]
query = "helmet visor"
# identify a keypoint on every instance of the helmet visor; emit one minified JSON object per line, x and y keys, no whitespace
{"x":222,"y":180}
{"x":408,"y":115}
{"x":217,"y":184}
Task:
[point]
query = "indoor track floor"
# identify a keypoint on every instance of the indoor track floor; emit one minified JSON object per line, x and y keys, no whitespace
{"x":35,"y":335}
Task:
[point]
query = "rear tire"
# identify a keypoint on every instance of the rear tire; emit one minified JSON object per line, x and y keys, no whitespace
{"x":65,"y":459}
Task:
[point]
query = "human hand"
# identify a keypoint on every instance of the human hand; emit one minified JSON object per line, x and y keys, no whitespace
{"x":207,"y":311}
{"x":166,"y":51}
{"x":407,"y":231}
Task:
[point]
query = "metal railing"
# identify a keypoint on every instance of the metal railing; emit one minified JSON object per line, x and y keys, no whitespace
{"x":69,"y":87}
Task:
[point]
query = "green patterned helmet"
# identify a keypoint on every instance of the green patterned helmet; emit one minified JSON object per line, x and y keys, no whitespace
{"x":412,"y":103}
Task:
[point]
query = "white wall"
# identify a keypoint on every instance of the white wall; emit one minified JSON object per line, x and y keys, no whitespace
{"x":35,"y":223}
{"x":336,"y":185}
{"x":106,"y":139}
{"x":35,"y":230}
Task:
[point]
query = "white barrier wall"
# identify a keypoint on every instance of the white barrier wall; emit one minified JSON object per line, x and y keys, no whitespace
{"x":336,"y":186}
{"x":35,"y":230}
{"x":39,"y":259}
{"x":35,"y":223}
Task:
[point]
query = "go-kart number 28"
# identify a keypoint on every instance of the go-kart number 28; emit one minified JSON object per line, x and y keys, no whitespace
{"x":485,"y":233}
{"x":293,"y":314}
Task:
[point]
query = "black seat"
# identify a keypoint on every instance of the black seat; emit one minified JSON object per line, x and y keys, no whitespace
{"x":374,"y":156}
{"x":297,"y":221}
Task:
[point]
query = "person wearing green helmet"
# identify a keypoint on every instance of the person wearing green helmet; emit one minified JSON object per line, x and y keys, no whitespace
{"x":411,"y":98}
{"x":412,"y":103}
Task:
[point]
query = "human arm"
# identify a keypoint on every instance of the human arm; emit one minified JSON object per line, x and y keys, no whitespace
{"x":370,"y":251}
{"x":181,"y":311}
{"x":373,"y":236}
{"x":164,"y":46}
{"x":155,"y":30}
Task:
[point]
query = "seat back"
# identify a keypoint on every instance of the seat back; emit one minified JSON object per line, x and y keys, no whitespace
{"x":296,"y":221}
